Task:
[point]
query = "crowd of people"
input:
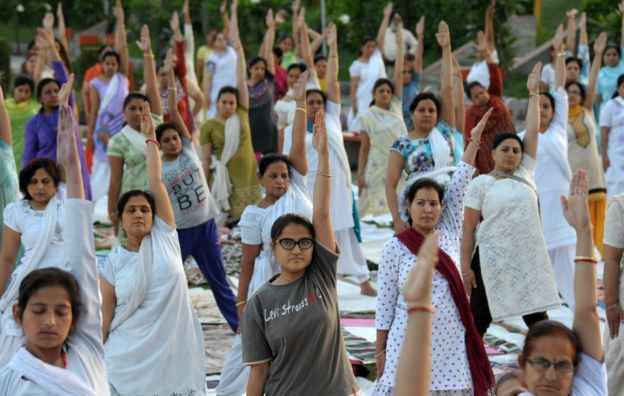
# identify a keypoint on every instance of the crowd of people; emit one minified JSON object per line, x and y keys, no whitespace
{"x":490,"y":223}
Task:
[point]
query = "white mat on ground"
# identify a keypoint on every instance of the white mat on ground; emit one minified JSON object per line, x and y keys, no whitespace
{"x":351,"y":301}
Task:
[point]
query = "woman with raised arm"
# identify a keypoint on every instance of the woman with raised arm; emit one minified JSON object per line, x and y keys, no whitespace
{"x":291,"y":328}
{"x":460,"y":363}
{"x":8,"y":172}
{"x":497,"y":261}
{"x":127,"y":150}
{"x":21,"y":107}
{"x":283,"y":179}
{"x":576,"y":355}
{"x":58,"y":309}
{"x":352,"y":261}
{"x":480,"y":71}
{"x":607,"y":84}
{"x":428,"y":149}
{"x":366,"y":70}
{"x":193,"y":206}
{"x":382,"y":124}
{"x":611,"y":138}
{"x":582,"y":132}
{"x":41,"y":130}
{"x":228,"y":157}
{"x":144,"y":293}
{"x":412,"y":73}
{"x":106,"y":102}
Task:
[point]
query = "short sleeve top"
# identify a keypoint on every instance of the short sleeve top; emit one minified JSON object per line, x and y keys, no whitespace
{"x":614,"y":223}
{"x":418,"y":154}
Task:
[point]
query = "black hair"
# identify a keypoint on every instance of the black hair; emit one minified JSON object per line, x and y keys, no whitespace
{"x":23,"y":68}
{"x":291,"y":218}
{"x":470,"y":86}
{"x":620,"y":81}
{"x":574,"y":59}
{"x":134,"y":95}
{"x":300,"y":66}
{"x":317,"y":91}
{"x":395,"y":13}
{"x":63,"y":54}
{"x":380,"y":82}
{"x":27,"y":173}
{"x":125,"y":197}
{"x":253,"y":61}
{"x":269,"y":159}
{"x":423,"y":183}
{"x":111,"y":53}
{"x":102,"y":49}
{"x":287,"y":36}
{"x":550,"y":99}
{"x":426,"y":96}
{"x":506,"y":377}
{"x":580,"y":87}
{"x":366,"y":40}
{"x":612,"y":46}
{"x":319,"y":57}
{"x":501,"y":137}
{"x":278,"y":52}
{"x":47,"y":277}
{"x":43,"y":82}
{"x":24,"y":80}
{"x":164,"y":126}
{"x":228,"y":90}
{"x":31,"y":45}
{"x":551,"y":328}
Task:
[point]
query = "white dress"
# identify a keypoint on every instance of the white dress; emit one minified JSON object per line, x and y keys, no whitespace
{"x":256,"y":226}
{"x":352,"y":260}
{"x":223,"y":68}
{"x":21,"y":218}
{"x":85,"y":353}
{"x":450,"y":368}
{"x":612,"y":116}
{"x":144,"y":355}
{"x":552,"y":177}
{"x":368,"y":73}
{"x":480,"y":73}
{"x":517,"y":274}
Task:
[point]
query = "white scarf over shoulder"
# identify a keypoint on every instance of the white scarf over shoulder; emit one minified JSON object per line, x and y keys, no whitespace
{"x":222,"y":185}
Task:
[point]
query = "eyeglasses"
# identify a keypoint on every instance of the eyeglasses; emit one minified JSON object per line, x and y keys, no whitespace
{"x":289,"y":244}
{"x":542,"y":365}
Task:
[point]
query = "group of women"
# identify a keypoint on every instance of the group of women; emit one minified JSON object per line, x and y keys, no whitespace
{"x":69,"y":325}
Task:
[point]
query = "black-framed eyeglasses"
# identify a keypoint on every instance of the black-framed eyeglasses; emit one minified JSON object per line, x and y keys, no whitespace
{"x":289,"y":244}
{"x":542,"y":365}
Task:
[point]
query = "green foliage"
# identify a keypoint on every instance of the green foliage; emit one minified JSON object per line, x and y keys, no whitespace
{"x":5,"y":64}
{"x":603,"y":15}
{"x":88,"y":57}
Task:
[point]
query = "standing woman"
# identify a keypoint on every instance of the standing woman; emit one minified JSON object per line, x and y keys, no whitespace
{"x":582,"y":147}
{"x":365,"y":71}
{"x":234,"y":182}
{"x":58,"y":311}
{"x":454,"y":336}
{"x":300,"y":351}
{"x":613,"y":68}
{"x":193,"y":206}
{"x":127,"y":150}
{"x":612,"y":140}
{"x":144,"y":292}
{"x":37,"y":223}
{"x":382,"y":125}
{"x":428,"y":149}
{"x":21,"y":107}
{"x":283,"y":179}
{"x":505,"y":202}
{"x":40,"y":132}
{"x":352,"y":261}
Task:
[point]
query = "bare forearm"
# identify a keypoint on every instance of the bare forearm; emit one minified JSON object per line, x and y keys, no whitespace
{"x":151,"y":87}
{"x":467,"y":247}
{"x":393,"y":204}
{"x":247,"y":267}
{"x":380,"y":342}
{"x":611,"y":281}
{"x":363,"y":158}
{"x":414,"y":370}
{"x":257,"y":380}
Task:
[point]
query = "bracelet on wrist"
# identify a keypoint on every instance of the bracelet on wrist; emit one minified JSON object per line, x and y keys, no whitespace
{"x":420,"y":307}
{"x":377,"y":355}
{"x":474,"y":141}
{"x":323,"y":174}
{"x":612,"y":306}
{"x":153,"y":141}
{"x":240,"y":303}
{"x":585,"y":259}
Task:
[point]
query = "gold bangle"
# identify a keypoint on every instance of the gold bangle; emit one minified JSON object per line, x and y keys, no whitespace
{"x":150,"y":55}
{"x":301,"y":109}
{"x":474,"y":141}
{"x":323,"y":174}
{"x":241,"y":302}
{"x":533,"y":94}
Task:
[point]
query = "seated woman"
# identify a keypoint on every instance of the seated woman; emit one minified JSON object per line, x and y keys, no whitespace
{"x":37,"y":224}
{"x":283,"y":179}
{"x":499,"y":260}
{"x":144,"y":292}
{"x":454,"y":336}
{"x":305,"y":339}
{"x":58,"y":311}
{"x":21,"y":107}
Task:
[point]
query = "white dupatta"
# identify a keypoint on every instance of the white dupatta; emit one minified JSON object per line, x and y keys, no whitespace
{"x":54,"y":380}
{"x":111,"y":91}
{"x":136,"y":138}
{"x":222,"y":185}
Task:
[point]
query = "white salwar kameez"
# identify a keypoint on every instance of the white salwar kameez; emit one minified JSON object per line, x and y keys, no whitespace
{"x":85,"y":353}
{"x":159,"y":349}
{"x":352,"y":260}
{"x":223,"y":68}
{"x":256,"y":223}
{"x":612,"y":116}
{"x":552,"y":177}
{"x":450,"y":368}
{"x":368,"y":73}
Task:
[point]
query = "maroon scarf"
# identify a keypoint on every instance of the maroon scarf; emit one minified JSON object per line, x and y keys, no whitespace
{"x":480,"y":369}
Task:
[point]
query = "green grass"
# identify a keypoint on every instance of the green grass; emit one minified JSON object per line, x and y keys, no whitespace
{"x":553,"y":14}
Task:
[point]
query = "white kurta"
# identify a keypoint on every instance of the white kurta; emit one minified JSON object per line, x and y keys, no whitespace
{"x":368,"y":72}
{"x":223,"y":68}
{"x":85,"y":353}
{"x":159,"y":349}
{"x":450,"y":368}
{"x":612,"y":116}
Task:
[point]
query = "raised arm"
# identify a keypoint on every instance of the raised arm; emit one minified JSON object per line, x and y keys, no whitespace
{"x":266,"y":49}
{"x":333,"y":87}
{"x":398,"y":64}
{"x":306,"y":51}
{"x":317,"y":39}
{"x":420,"y":49}
{"x":583,"y":47}
{"x":533,"y":112}
{"x":472,"y":145}
{"x":560,"y":70}
{"x":446,"y":76}
{"x":5,"y":123}
{"x":489,"y":27}
{"x":225,"y":18}
{"x":241,"y":72}
{"x":570,"y":41}
{"x":322,"y":187}
{"x":149,"y":72}
{"x":381,"y":33}
{"x":121,"y":40}
{"x":295,"y":8}
{"x":62,"y":36}
{"x":590,"y":91}
{"x":458,"y":97}
{"x":297,"y":152}
{"x":66,"y":145}
{"x":172,"y":98}
{"x":586,"y":318}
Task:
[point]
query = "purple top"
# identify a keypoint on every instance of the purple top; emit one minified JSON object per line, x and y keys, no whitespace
{"x":41,"y":130}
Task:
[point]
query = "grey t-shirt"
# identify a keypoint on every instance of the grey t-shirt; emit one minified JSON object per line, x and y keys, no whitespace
{"x":188,"y":190}
{"x":296,"y":328}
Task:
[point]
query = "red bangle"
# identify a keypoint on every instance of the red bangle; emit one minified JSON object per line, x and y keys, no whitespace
{"x":585,"y":260}
{"x":153,"y":141}
{"x":420,"y":308}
